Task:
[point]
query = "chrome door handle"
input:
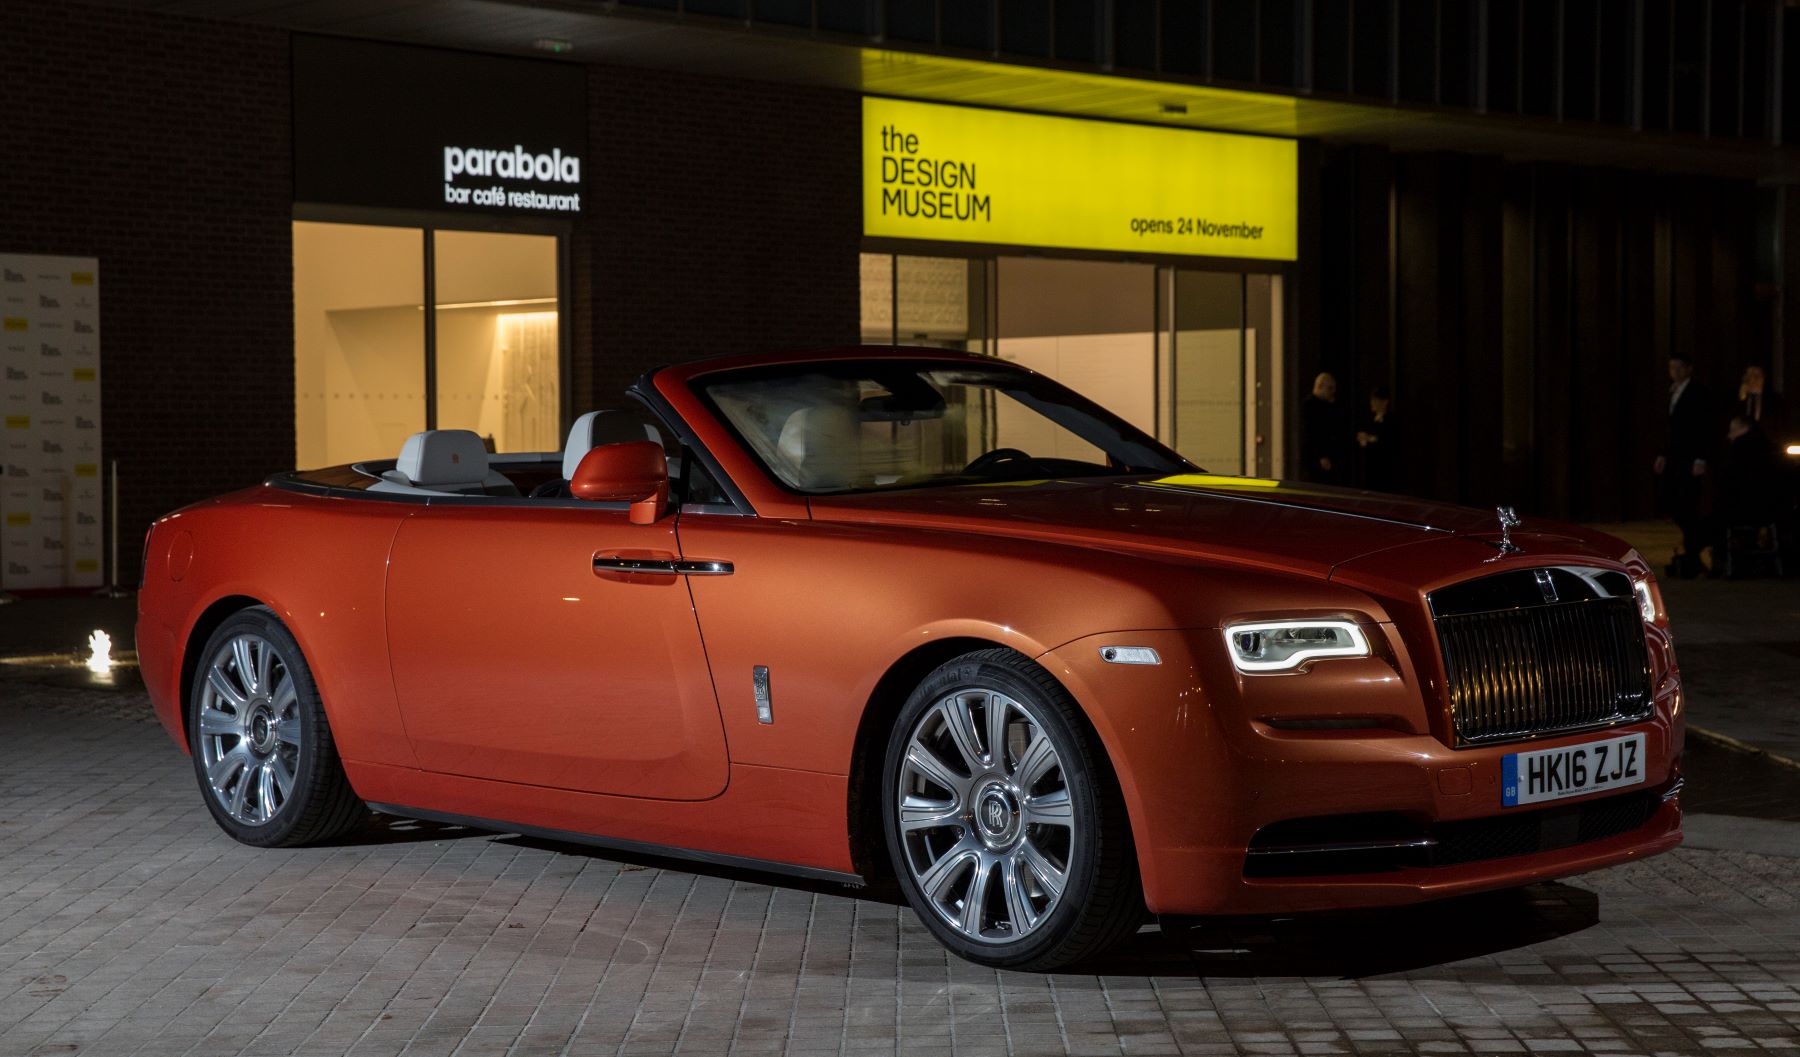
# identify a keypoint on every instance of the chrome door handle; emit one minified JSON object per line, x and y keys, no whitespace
{"x":661,"y":566}
{"x":609,"y":564}
{"x":697,"y":567}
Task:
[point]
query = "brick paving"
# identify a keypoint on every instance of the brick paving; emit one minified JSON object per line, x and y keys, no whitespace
{"x":130,"y":925}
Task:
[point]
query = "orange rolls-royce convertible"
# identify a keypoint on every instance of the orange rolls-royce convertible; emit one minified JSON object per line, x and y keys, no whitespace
{"x":922,"y":615}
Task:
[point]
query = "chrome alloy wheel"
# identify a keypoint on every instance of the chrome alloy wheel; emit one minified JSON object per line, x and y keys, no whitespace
{"x":250,"y":729}
{"x":986,"y":821}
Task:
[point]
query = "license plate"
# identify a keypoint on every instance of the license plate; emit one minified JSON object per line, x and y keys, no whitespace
{"x":1572,"y":770}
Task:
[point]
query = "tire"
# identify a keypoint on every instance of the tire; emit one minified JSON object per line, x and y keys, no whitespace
{"x":263,"y":754}
{"x":976,"y":838}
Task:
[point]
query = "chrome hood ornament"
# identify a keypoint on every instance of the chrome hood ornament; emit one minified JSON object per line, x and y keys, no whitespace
{"x":1509,"y":520}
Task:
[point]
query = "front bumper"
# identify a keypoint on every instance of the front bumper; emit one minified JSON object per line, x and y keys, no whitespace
{"x":1202,"y":775}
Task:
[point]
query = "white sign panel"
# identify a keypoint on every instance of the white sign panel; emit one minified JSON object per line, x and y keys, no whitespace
{"x":50,"y":497}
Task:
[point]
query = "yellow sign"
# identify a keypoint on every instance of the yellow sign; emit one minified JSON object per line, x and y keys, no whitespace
{"x":963,"y":174}
{"x":18,"y":422}
{"x":18,"y":519}
{"x":16,"y":323}
{"x":81,"y":278}
{"x":85,"y":374}
{"x":87,"y":469}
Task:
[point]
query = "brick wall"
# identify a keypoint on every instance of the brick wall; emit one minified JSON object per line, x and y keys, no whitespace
{"x":725,"y":218}
{"x":161,"y":146}
{"x":728,"y":219}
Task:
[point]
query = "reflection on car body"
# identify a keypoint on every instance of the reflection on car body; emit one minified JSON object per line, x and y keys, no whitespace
{"x":921,"y":614}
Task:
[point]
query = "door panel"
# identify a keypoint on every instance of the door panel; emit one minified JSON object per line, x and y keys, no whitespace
{"x":515,"y":660}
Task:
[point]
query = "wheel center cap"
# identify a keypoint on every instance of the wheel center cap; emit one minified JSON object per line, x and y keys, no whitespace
{"x":996,"y":815}
{"x":262,"y":730}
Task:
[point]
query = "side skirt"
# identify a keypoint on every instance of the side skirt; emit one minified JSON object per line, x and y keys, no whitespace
{"x":634,"y":847}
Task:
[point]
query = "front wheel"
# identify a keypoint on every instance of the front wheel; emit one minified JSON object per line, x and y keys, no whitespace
{"x":1004,"y":820}
{"x":263,"y":753}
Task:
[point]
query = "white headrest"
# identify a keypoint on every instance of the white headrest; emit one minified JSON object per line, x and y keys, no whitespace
{"x":602,"y":427}
{"x":820,"y":444}
{"x":444,"y":458}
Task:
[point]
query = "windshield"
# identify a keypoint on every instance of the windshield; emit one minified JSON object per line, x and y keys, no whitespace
{"x":857,"y":426}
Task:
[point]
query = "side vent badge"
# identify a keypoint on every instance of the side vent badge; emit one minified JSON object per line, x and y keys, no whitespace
{"x":1129,"y":655}
{"x":759,"y":688}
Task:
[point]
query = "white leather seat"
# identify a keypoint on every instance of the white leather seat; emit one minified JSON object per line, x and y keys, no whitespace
{"x":445,"y":461}
{"x":602,"y":427}
{"x":819,"y":445}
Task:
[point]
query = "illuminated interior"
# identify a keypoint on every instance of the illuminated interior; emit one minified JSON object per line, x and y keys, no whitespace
{"x":1182,"y":353}
{"x":361,"y":346}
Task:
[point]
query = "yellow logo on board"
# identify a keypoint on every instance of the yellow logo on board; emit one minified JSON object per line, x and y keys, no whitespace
{"x":18,"y":519}
{"x":85,"y":374}
{"x":81,"y":278}
{"x":87,"y":565}
{"x":18,"y":422}
{"x":964,"y":174}
{"x":87,"y":469}
{"x":16,"y":323}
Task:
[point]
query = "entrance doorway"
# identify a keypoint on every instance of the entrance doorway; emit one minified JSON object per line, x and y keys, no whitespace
{"x":1188,"y":355}
{"x":399,"y":329}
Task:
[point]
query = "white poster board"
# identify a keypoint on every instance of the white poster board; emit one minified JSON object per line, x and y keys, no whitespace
{"x":50,"y":496}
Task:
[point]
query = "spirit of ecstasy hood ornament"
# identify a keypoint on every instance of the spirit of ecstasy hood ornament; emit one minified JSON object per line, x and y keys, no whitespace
{"x":1509,"y":520}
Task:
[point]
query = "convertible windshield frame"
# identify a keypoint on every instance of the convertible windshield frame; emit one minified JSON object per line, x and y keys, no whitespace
{"x":1029,"y":394}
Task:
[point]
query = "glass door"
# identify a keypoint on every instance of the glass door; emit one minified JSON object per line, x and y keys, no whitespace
{"x":497,"y":368}
{"x":1218,"y":358}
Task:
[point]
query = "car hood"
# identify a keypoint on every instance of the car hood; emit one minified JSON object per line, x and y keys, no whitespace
{"x":1278,"y":525}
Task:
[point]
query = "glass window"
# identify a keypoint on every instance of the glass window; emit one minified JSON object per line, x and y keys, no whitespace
{"x":1134,"y":34}
{"x":379,"y":357}
{"x":1078,"y":31}
{"x":942,"y":301}
{"x":498,"y":371}
{"x":878,"y":425}
{"x":784,"y":12}
{"x":1184,"y":39}
{"x":359,"y":341}
{"x":966,"y":24}
{"x":1025,"y":27}
{"x":878,"y":299}
{"x":1234,"y":42}
{"x":1372,"y":44}
{"x":914,"y":20}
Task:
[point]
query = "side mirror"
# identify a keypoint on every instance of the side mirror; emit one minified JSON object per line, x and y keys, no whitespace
{"x":634,"y":472}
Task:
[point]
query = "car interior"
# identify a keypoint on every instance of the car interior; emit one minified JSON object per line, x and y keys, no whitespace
{"x":457,"y":462}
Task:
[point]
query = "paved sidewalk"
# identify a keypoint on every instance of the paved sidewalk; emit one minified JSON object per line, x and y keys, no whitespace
{"x":130,"y":925}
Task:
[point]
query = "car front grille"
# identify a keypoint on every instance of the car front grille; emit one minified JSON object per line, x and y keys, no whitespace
{"x":1541,"y":651}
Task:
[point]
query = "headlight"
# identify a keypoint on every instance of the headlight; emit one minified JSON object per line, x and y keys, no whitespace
{"x":1285,"y":644}
{"x":1645,"y":600}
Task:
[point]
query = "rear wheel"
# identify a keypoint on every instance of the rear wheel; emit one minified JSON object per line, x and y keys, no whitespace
{"x":263,"y":753}
{"x":1004,"y":820}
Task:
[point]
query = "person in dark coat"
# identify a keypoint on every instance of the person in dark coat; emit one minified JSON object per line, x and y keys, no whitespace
{"x":1762,"y":405}
{"x":1324,"y":435}
{"x":1749,"y":491}
{"x":1378,"y":440}
{"x":1683,"y":462}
